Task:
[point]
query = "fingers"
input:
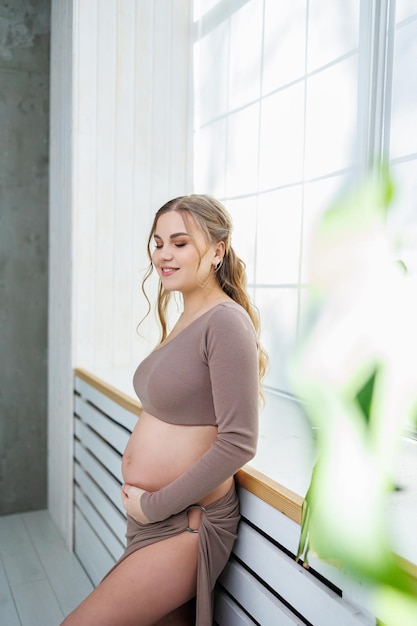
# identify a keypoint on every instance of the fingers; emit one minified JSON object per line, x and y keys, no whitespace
{"x":131,"y":502}
{"x":125,"y":496}
{"x":131,"y":491}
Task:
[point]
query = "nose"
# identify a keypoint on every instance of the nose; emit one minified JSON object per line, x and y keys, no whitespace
{"x":163,"y":253}
{"x":166,"y":253}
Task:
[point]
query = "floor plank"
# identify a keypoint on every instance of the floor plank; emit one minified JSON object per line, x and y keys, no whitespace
{"x":8,"y":611}
{"x":36,"y":604}
{"x":40,"y":580}
{"x":14,"y":538}
{"x":67,"y":578}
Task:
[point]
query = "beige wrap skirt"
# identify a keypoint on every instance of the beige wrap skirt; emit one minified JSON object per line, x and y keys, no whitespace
{"x":217,"y":534}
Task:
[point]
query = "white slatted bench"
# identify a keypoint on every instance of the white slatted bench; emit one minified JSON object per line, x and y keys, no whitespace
{"x":262,"y":583}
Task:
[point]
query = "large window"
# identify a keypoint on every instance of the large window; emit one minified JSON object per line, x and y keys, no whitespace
{"x":293,"y":102}
{"x":277,"y":90}
{"x":403,"y":130}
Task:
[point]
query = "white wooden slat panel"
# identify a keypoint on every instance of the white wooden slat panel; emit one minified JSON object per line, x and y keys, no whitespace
{"x":116,"y":435}
{"x":123,"y":277}
{"x":125,"y":159}
{"x":106,"y":535}
{"x":142,"y":132}
{"x":264,"y":607}
{"x":84,"y":157}
{"x":107,"y":405}
{"x":271,"y":521}
{"x":94,"y":557}
{"x":180,"y":102}
{"x":103,"y":171}
{"x":228,"y":613}
{"x":161,"y":91}
{"x":113,"y":516}
{"x":287,"y":533}
{"x":355,"y":591}
{"x":60,"y":267}
{"x":101,"y":450}
{"x":307,"y":595}
{"x":107,"y":482}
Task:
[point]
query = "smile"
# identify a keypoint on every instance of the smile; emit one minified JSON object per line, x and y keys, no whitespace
{"x":167,"y":271}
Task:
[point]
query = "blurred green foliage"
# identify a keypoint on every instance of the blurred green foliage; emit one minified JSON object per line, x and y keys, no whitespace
{"x":356,"y":371}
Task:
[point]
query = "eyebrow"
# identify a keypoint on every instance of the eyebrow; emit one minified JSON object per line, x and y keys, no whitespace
{"x":172,"y":236}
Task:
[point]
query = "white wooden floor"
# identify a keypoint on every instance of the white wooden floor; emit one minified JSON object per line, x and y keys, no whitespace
{"x":40,"y":580}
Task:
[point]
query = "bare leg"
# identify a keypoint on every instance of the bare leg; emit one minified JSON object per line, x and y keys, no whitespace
{"x":149,"y":584}
{"x":183,"y":616}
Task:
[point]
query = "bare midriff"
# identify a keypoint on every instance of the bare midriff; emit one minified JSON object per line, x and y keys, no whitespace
{"x":158,"y":452}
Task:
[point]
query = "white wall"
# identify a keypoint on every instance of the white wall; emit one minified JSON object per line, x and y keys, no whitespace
{"x":60,"y":260}
{"x":120,"y":147}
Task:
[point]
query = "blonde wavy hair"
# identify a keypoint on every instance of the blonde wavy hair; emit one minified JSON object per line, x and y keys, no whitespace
{"x":216,"y":225}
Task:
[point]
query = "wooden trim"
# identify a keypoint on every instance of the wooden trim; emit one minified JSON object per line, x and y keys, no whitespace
{"x":268,"y":490}
{"x":111,"y":392}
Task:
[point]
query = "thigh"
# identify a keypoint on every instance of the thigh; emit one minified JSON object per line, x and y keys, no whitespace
{"x":183,"y":616}
{"x":146,"y":586}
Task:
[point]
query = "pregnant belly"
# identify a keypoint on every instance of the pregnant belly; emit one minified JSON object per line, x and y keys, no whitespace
{"x":157,"y":452}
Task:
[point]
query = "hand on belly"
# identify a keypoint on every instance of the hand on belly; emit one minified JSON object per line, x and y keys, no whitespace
{"x":131,"y":496}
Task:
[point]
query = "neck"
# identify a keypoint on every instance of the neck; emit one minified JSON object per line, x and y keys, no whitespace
{"x":196,"y":302}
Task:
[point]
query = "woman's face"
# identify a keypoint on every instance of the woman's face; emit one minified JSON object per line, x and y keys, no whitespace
{"x":181,"y":256}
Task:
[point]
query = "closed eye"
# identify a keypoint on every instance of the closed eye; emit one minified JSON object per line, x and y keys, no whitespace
{"x":177,"y":245}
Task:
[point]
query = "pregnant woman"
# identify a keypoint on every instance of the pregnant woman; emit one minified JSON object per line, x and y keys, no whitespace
{"x":199,"y":390}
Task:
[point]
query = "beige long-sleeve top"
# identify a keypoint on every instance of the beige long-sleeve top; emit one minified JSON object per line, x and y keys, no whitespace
{"x":207,"y":374}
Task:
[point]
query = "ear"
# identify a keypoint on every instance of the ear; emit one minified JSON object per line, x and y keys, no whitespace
{"x":219,"y":251}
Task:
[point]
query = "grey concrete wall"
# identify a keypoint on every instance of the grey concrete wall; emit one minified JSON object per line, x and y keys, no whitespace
{"x":24,"y":111}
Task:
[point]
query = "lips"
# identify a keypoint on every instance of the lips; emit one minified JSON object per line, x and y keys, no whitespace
{"x":168,"y":271}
